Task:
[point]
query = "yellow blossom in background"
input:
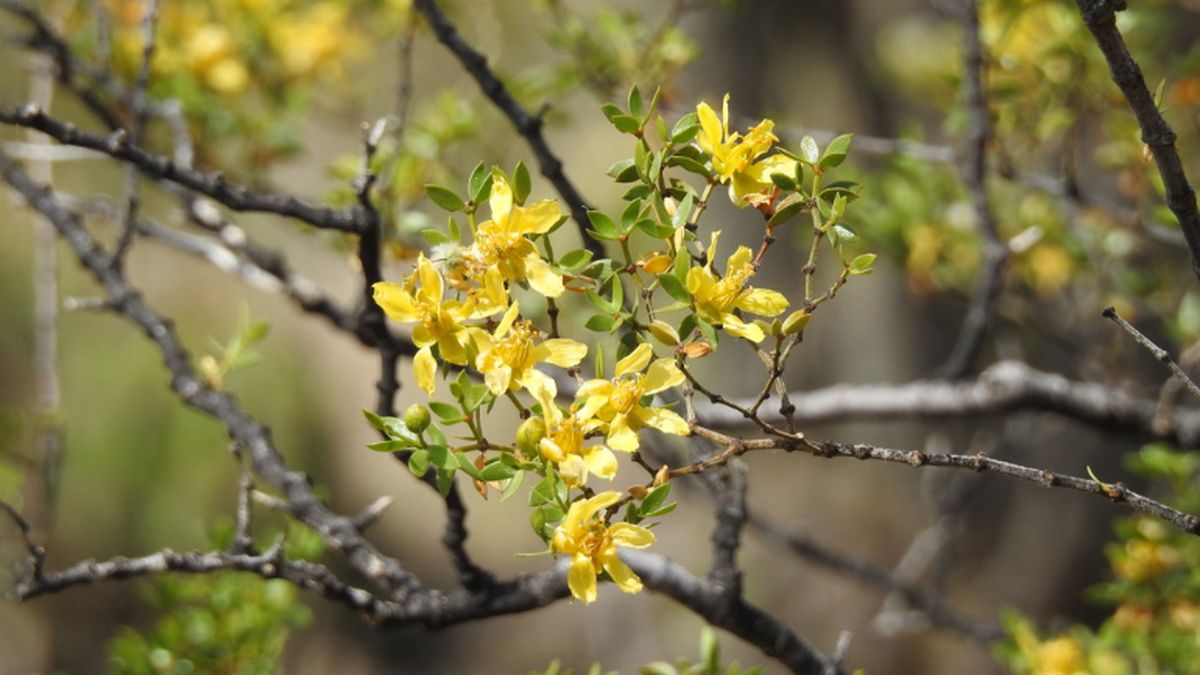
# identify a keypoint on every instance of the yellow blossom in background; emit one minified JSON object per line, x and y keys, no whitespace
{"x":507,"y":356}
{"x":563,"y":443}
{"x":715,"y":299}
{"x":437,"y":322}
{"x":501,"y":242}
{"x":734,"y":155}
{"x":618,"y":402}
{"x":592,"y":544}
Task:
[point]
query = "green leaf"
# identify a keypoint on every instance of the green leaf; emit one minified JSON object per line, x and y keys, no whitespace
{"x":445,"y":480}
{"x":610,"y":111}
{"x":513,"y":484}
{"x":600,"y":323}
{"x":841,"y":234}
{"x":708,"y":331}
{"x":656,"y":497}
{"x":623,"y":171}
{"x":630,"y":214}
{"x":448,"y":413}
{"x":497,"y":471}
{"x":658,"y":513}
{"x":521,"y":183}
{"x":435,"y":237}
{"x":861,"y":265}
{"x":690,"y":165}
{"x":809,"y":151}
{"x":710,"y":650}
{"x":784,"y":182}
{"x":376,"y":421}
{"x":389,"y":446}
{"x":441,"y":457}
{"x":683,"y":211}
{"x":685,"y":129}
{"x":651,"y":108}
{"x":604,"y":226}
{"x":475,"y":182}
{"x":658,"y":668}
{"x":600,"y":303}
{"x":625,"y":124}
{"x":789,"y":208}
{"x":543,"y":492}
{"x":654,"y":229}
{"x":479,"y":196}
{"x":418,"y":462}
{"x":635,"y":104}
{"x":576,"y":259}
{"x":445,"y":197}
{"x":674,"y":288}
{"x":656,"y":165}
{"x":835,"y":152}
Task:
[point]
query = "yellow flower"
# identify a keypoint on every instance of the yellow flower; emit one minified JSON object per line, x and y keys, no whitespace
{"x":716,"y":299}
{"x":437,"y":322}
{"x":563,"y":443}
{"x":618,"y":401}
{"x":501,"y":242}
{"x":592,"y":544}
{"x":507,"y":356}
{"x":734,"y":155}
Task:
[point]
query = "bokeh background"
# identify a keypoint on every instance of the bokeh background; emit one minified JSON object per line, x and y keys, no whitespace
{"x":141,"y":472}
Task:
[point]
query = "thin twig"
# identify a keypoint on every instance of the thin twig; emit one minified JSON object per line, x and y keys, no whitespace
{"x":974,"y":172}
{"x":527,"y":125}
{"x":1100,"y":18}
{"x":137,"y":99}
{"x":1159,"y":353}
{"x":213,"y":184}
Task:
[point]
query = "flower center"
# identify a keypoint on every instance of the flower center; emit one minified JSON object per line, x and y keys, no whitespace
{"x":626,"y":394}
{"x":516,"y":348}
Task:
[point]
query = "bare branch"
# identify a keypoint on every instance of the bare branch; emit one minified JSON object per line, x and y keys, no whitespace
{"x":1159,"y":353}
{"x":252,"y":436}
{"x":1100,"y":18}
{"x":527,"y":125}
{"x":213,"y":185}
{"x":1004,"y":387}
{"x":876,"y":576}
{"x":974,"y":172}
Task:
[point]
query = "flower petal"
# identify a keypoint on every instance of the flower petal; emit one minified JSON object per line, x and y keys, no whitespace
{"x":498,"y":379}
{"x":630,"y":535}
{"x":573,"y":470}
{"x":540,"y":217}
{"x":738,"y":261}
{"x":424,"y":367}
{"x":581,"y":578}
{"x":762,"y":301}
{"x":601,"y":461}
{"x":663,"y":374}
{"x":395,"y":301}
{"x":711,"y":132}
{"x":735,"y":326}
{"x":620,"y":436}
{"x":563,"y":352}
{"x":507,"y":320}
{"x":667,"y":421}
{"x":431,"y":279}
{"x":621,"y":575}
{"x":500,"y":200}
{"x":635,"y":361}
{"x":542,"y":277}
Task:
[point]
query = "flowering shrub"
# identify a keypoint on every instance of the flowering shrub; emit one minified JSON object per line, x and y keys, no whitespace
{"x":663,"y":306}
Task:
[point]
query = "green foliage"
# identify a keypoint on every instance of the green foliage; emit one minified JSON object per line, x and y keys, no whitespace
{"x":226,"y":622}
{"x":1154,"y":594}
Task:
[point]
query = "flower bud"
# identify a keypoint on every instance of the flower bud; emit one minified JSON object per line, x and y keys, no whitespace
{"x":796,"y":321}
{"x":664,"y":332}
{"x":529,"y":436}
{"x":416,"y":418}
{"x":695,"y":350}
{"x":662,"y":476}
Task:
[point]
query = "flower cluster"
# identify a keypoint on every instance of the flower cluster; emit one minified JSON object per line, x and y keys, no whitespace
{"x":474,"y":310}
